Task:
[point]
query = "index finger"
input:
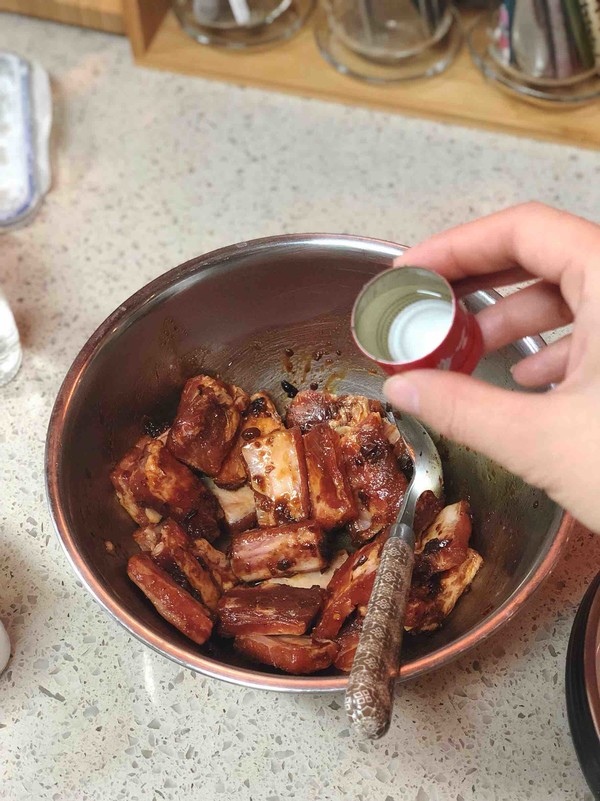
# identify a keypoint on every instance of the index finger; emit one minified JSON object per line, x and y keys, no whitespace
{"x":544,"y":242}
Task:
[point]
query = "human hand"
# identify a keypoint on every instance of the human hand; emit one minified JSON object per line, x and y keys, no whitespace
{"x":552,"y":439}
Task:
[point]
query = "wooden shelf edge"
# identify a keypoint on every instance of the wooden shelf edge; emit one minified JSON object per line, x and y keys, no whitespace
{"x":102,"y":15}
{"x":460,"y":96}
{"x":462,"y":120}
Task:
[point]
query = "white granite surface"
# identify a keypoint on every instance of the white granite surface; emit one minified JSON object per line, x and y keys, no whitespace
{"x":151,"y":169}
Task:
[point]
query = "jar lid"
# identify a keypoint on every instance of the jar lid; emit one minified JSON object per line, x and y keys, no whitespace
{"x":583,"y":685}
{"x":408,"y":318}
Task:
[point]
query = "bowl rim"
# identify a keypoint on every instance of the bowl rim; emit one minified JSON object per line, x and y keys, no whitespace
{"x":125,"y":315}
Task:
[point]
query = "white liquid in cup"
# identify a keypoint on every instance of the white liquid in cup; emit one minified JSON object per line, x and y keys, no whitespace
{"x":419,"y":328}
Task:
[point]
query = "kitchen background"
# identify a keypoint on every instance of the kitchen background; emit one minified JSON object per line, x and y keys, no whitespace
{"x":150,"y":169}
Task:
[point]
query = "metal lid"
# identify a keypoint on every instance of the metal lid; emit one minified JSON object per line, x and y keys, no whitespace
{"x":583,"y":685}
{"x":382,"y":312}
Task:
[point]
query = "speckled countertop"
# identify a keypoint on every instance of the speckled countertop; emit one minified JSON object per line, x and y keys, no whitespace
{"x":151,"y":169}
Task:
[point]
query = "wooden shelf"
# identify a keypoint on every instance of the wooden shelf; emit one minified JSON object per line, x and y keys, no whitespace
{"x":105,"y":15}
{"x":460,"y":95}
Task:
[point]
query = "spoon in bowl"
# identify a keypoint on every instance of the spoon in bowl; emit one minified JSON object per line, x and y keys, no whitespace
{"x":370,"y":689}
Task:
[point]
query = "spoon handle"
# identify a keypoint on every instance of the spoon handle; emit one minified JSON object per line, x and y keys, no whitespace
{"x":370,"y":690}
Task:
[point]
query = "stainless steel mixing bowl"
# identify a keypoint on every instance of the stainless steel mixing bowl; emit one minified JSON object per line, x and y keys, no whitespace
{"x":236,"y":311}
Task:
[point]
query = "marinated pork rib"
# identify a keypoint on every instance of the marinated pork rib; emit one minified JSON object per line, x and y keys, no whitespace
{"x":376,"y":480}
{"x":292,"y":654}
{"x":170,"y":600}
{"x":427,"y":509}
{"x":121,"y":480}
{"x":217,"y":564}
{"x":399,"y":446}
{"x":207,"y":422}
{"x":331,"y":496}
{"x":315,"y":578}
{"x":349,"y":588}
{"x":237,"y":505}
{"x":309,"y":408}
{"x":147,"y":537}
{"x":277,"y":473}
{"x":152,"y":484}
{"x":430,"y":603}
{"x":278,"y":551}
{"x":176,"y":546}
{"x":173,"y":551}
{"x":347,"y":642}
{"x":268,"y":610}
{"x":444,"y":545}
{"x":184,"y":496}
{"x":167,"y":535}
{"x":259,"y":418}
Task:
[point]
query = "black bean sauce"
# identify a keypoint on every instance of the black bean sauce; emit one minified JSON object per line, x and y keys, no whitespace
{"x":289,"y":389}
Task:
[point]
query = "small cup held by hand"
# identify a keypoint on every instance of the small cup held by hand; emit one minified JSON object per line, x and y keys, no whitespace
{"x":409,"y":318}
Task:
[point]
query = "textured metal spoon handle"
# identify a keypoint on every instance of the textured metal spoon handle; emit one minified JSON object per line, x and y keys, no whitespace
{"x":370,"y":690}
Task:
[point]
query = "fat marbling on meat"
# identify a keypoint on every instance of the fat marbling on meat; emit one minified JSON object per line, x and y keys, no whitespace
{"x":444,"y":544}
{"x":176,"y":549}
{"x":310,"y":407}
{"x":377,"y":482}
{"x":332,"y":501}
{"x":276,"y":609}
{"x":216,"y":562}
{"x":238,"y":506}
{"x":316,"y":578}
{"x":278,"y":551}
{"x":121,"y":478}
{"x":259,"y":418}
{"x":277,"y":471}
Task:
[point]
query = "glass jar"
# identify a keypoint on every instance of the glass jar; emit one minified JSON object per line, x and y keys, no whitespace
{"x":241,"y":24}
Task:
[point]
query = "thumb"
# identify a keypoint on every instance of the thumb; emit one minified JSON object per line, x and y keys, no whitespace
{"x":510,"y":427}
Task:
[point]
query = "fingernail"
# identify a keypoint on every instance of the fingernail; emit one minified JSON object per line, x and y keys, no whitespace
{"x":402,"y":394}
